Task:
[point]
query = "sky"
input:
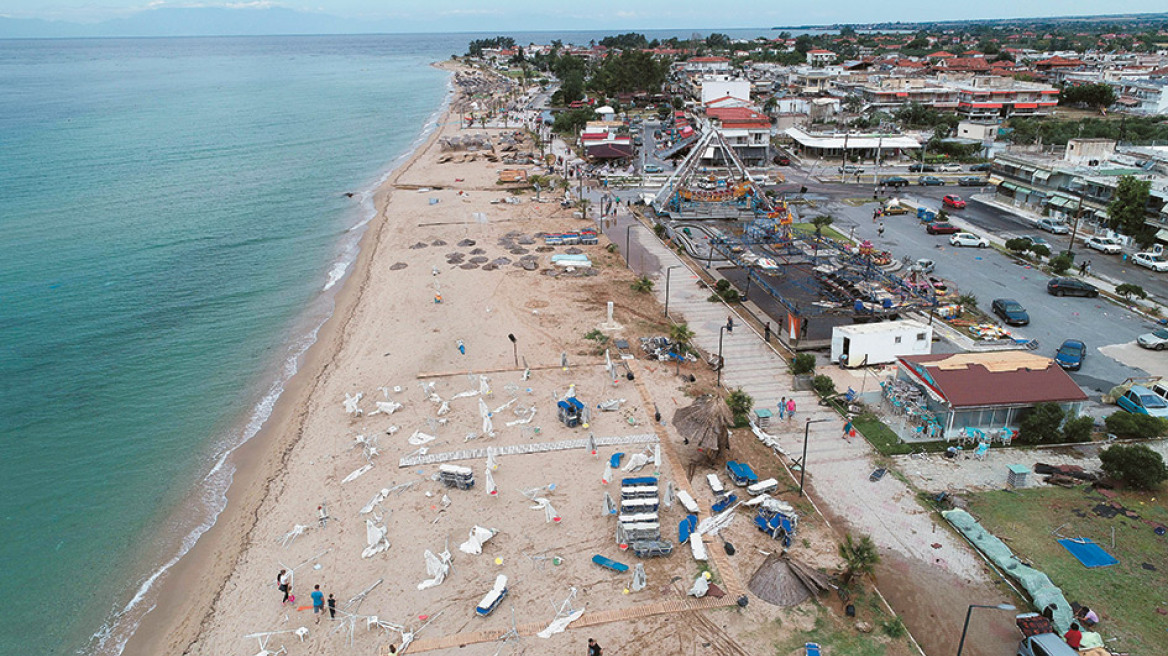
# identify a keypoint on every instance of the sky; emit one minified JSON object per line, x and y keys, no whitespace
{"x":522,"y":15}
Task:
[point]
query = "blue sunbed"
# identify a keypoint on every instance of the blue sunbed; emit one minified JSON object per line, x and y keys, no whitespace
{"x":610,"y":564}
{"x":686,"y":527}
{"x":725,"y":503}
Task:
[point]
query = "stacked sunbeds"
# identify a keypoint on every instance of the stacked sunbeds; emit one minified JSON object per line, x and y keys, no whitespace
{"x":639,"y":524}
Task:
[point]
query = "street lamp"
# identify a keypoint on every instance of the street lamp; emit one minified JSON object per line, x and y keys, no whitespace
{"x":961,"y":645}
{"x":628,"y":253}
{"x":803,"y":460}
{"x":667,"y":272}
{"x":514,"y":348}
{"x":721,"y":362}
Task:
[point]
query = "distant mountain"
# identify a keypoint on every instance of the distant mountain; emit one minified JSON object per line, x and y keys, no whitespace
{"x":197,"y":21}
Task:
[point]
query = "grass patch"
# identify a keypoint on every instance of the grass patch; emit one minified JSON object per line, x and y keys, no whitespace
{"x":1125,"y":595}
{"x":806,"y":229}
{"x":836,"y":633}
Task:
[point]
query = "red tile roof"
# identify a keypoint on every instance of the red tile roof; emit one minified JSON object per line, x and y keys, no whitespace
{"x":965,"y":64}
{"x":940,"y":54}
{"x":708,"y":60}
{"x":968,"y":380}
{"x":736,"y":114}
{"x":820,"y":51}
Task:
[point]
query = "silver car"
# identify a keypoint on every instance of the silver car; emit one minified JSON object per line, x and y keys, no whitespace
{"x":1157,"y":340}
{"x":1151,"y":260}
{"x":1105,"y":244}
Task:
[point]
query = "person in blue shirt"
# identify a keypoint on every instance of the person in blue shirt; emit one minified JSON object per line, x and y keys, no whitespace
{"x":317,"y":602}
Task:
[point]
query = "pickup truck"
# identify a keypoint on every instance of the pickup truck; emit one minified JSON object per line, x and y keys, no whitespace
{"x":1039,"y":638}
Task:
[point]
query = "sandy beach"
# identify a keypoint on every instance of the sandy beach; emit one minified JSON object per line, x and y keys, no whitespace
{"x":442,"y":232}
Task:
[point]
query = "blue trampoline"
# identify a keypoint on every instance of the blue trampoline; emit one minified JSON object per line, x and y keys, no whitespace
{"x":1088,"y":553}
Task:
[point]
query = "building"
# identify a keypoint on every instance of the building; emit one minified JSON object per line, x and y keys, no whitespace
{"x":713,"y":87}
{"x":820,"y":57}
{"x":983,"y":97}
{"x":1080,"y":181}
{"x":706,"y":65}
{"x":858,"y":146}
{"x":602,"y":140}
{"x":747,"y":131}
{"x":987,"y":391}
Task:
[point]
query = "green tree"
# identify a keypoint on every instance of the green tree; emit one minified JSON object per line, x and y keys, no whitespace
{"x":1137,"y":465}
{"x":1092,"y":95}
{"x":803,"y":43}
{"x":824,"y":386}
{"x":968,"y":302}
{"x":1126,"y":212}
{"x":680,"y":334}
{"x":804,"y":363}
{"x":820,"y":222}
{"x":568,"y":122}
{"x":1128,"y":290}
{"x":718,"y":41}
{"x":860,"y":557}
{"x":740,"y":404}
{"x":1126,"y":424}
{"x":629,"y":41}
{"x":1042,"y":425}
{"x":1062,"y":263}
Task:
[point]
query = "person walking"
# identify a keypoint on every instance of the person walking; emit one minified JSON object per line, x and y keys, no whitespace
{"x":594,"y":649}
{"x":790,"y":408}
{"x":284,"y":583}
{"x":317,"y":602}
{"x":332,"y":606}
{"x":729,"y":324}
{"x":782,"y":407}
{"x":849,"y":430}
{"x":880,"y":230}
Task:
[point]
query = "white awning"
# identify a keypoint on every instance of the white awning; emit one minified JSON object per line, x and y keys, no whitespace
{"x":854,"y":141}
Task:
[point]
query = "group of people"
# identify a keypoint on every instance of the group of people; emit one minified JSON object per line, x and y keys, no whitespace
{"x":787,"y":408}
{"x":1088,"y":619}
{"x":284,"y":584}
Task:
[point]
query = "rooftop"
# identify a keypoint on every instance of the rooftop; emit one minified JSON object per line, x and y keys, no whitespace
{"x":967,"y":380}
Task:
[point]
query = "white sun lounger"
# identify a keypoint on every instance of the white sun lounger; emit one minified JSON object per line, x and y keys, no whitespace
{"x":716,"y":484}
{"x":638,"y":518}
{"x":647,"y":504}
{"x":761,"y":487}
{"x":687,"y":501}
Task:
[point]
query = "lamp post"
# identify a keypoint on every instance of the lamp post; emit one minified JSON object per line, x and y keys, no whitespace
{"x":968,"y":612}
{"x":721,"y":362}
{"x":514,"y":348}
{"x":668,"y":270}
{"x":803,"y":460}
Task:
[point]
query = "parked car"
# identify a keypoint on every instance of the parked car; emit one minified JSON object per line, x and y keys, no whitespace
{"x":1140,"y":400}
{"x":930,"y":181}
{"x":1071,"y":287}
{"x":941,"y":229}
{"x":1035,"y":241}
{"x":895,"y":208}
{"x":954,"y":201}
{"x":1151,"y":260}
{"x":1105,"y":244}
{"x":1052,"y":226}
{"x":969,"y":239}
{"x":782,"y":160}
{"x":971,"y":181}
{"x":1011,"y":311}
{"x":921,"y":168}
{"x":851,"y":169}
{"x":894,"y":181}
{"x":951,"y":167}
{"x":1157,"y":340}
{"x":985,"y":166}
{"x":1071,"y":354}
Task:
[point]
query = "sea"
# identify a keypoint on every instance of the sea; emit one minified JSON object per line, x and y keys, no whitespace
{"x":176,"y":216}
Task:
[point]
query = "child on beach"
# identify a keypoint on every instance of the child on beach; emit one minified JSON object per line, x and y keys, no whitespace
{"x":332,"y":606}
{"x":282,"y":582}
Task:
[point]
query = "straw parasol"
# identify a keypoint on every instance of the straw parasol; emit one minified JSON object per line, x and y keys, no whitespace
{"x":776,"y":584}
{"x":706,"y":423}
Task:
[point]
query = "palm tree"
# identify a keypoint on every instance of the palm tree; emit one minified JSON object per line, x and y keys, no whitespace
{"x":538,"y":182}
{"x":681,"y":334}
{"x":820,"y":222}
{"x":642,"y":285}
{"x":859,"y":556}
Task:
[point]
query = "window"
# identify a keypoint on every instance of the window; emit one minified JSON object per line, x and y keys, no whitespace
{"x":920,"y":337}
{"x":898,"y":339}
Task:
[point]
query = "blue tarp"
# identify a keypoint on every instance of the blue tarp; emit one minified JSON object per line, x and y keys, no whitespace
{"x":1088,"y":553}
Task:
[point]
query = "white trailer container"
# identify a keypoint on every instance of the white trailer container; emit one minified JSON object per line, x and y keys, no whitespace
{"x":879,"y":343}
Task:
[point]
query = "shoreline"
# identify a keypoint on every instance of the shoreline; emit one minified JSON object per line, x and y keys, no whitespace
{"x":182,"y":607}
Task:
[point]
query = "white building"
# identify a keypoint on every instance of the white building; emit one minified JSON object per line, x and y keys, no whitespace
{"x":720,"y":86}
{"x":820,"y":57}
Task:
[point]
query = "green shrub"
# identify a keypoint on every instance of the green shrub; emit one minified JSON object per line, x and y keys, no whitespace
{"x":740,"y":404}
{"x":596,"y":336}
{"x":659,"y":230}
{"x":824,"y":385}
{"x":1018,"y":245}
{"x":1128,"y":290}
{"x":642,"y":285}
{"x":1127,"y":424}
{"x":1041,"y":250}
{"x":1078,"y":429}
{"x":804,"y":363}
{"x":1062,"y":263}
{"x":1137,"y":465}
{"x":893,"y":628}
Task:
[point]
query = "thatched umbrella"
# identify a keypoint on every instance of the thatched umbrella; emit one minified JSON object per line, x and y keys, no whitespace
{"x":706,"y":423}
{"x":775,"y":583}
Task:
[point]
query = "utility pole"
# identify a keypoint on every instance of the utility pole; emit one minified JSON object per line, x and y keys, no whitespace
{"x":1075,"y":227}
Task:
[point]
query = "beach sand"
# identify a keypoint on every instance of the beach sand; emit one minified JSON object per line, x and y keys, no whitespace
{"x":387,"y":339}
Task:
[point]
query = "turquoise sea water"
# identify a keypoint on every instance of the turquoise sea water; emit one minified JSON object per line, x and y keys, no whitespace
{"x":171,"y":214}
